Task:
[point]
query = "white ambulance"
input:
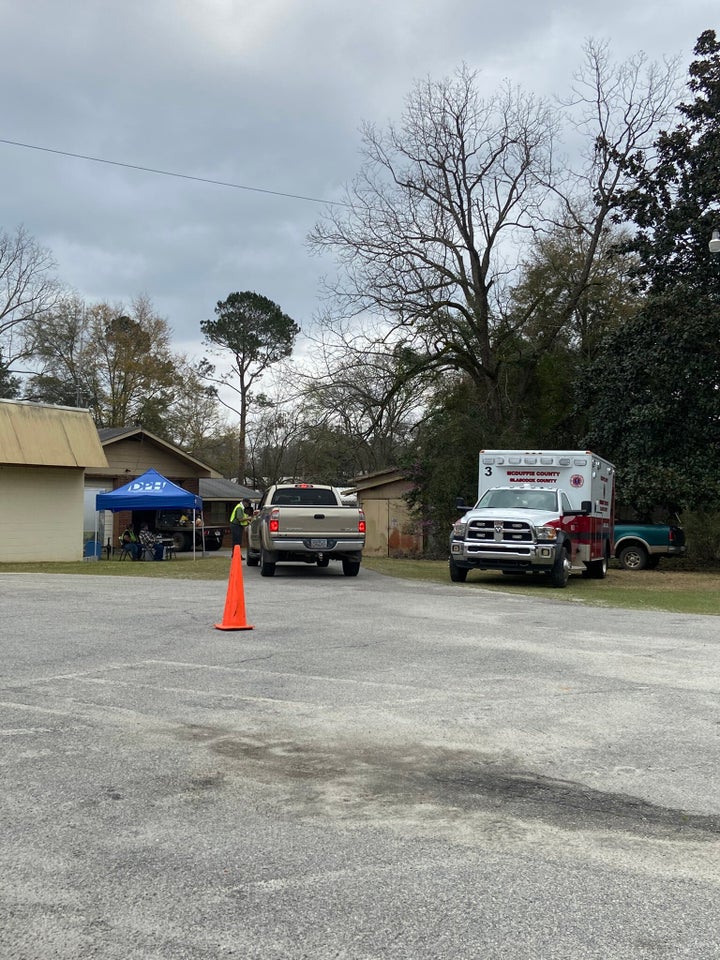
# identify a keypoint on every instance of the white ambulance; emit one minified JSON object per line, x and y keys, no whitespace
{"x":539,"y":511}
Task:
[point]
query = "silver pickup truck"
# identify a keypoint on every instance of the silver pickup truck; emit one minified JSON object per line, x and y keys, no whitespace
{"x":305,"y":523}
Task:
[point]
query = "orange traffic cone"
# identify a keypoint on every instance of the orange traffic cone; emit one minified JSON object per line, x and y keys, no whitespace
{"x":234,"y":613}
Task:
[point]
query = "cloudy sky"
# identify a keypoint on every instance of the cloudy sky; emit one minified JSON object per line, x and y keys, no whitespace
{"x":262,"y":94}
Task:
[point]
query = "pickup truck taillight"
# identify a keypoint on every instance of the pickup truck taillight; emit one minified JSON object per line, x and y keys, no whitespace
{"x":361,"y":522}
{"x":274,"y":521}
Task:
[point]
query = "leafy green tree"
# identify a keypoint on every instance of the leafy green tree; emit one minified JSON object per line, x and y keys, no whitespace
{"x":658,"y":414}
{"x":112,"y":359}
{"x":135,"y":369}
{"x":257,"y":334}
{"x":9,"y":384}
{"x":443,"y":463}
{"x":675,"y":202}
{"x":551,"y":348}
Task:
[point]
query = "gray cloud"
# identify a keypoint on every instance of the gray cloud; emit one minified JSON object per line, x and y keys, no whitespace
{"x":265,"y":93}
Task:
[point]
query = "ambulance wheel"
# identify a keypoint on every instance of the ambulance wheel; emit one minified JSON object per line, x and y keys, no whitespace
{"x":633,"y":557}
{"x":457,"y":574}
{"x":560,"y":573}
{"x":597,"y":569}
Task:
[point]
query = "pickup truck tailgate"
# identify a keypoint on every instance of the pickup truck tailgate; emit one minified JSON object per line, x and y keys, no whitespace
{"x":318,"y":521}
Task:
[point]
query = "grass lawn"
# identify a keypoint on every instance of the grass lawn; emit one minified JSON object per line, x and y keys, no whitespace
{"x":672,"y":587}
{"x":203,"y":568}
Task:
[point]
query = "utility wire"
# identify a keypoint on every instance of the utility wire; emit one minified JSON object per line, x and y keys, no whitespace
{"x":170,"y":173}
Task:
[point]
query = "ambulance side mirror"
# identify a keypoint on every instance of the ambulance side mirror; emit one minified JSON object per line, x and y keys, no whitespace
{"x":586,"y":506}
{"x":460,"y":505}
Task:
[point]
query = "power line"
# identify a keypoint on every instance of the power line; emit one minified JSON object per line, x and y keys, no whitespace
{"x":170,"y":173}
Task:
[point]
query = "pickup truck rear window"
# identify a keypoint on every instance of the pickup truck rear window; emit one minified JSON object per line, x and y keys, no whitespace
{"x":304,"y":497}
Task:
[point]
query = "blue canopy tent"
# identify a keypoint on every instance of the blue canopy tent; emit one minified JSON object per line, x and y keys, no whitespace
{"x":149,"y":492}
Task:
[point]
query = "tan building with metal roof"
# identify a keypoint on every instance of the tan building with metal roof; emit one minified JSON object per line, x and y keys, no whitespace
{"x":44,"y":452}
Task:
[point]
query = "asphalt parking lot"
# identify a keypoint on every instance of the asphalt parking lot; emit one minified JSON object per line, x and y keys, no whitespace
{"x":378,"y":769}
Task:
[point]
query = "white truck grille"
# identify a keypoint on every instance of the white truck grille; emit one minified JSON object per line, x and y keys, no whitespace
{"x":499,"y":531}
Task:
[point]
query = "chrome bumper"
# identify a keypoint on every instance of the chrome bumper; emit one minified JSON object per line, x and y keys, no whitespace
{"x":307,"y":545}
{"x":495,"y":554}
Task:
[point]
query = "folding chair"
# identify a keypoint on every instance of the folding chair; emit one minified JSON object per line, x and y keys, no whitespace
{"x":126,"y":550}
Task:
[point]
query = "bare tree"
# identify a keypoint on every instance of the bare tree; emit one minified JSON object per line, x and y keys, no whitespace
{"x":59,"y":345}
{"x":274,"y":439}
{"x":433,"y":230}
{"x":28,"y":290}
{"x":194,"y":421}
{"x":617,"y":109}
{"x":358,"y":386}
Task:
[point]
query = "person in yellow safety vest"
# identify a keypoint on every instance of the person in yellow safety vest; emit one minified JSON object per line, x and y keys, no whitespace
{"x":130,"y":543}
{"x":237,"y":524}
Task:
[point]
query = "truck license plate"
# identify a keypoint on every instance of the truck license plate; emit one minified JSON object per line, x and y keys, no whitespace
{"x":318,"y":544}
